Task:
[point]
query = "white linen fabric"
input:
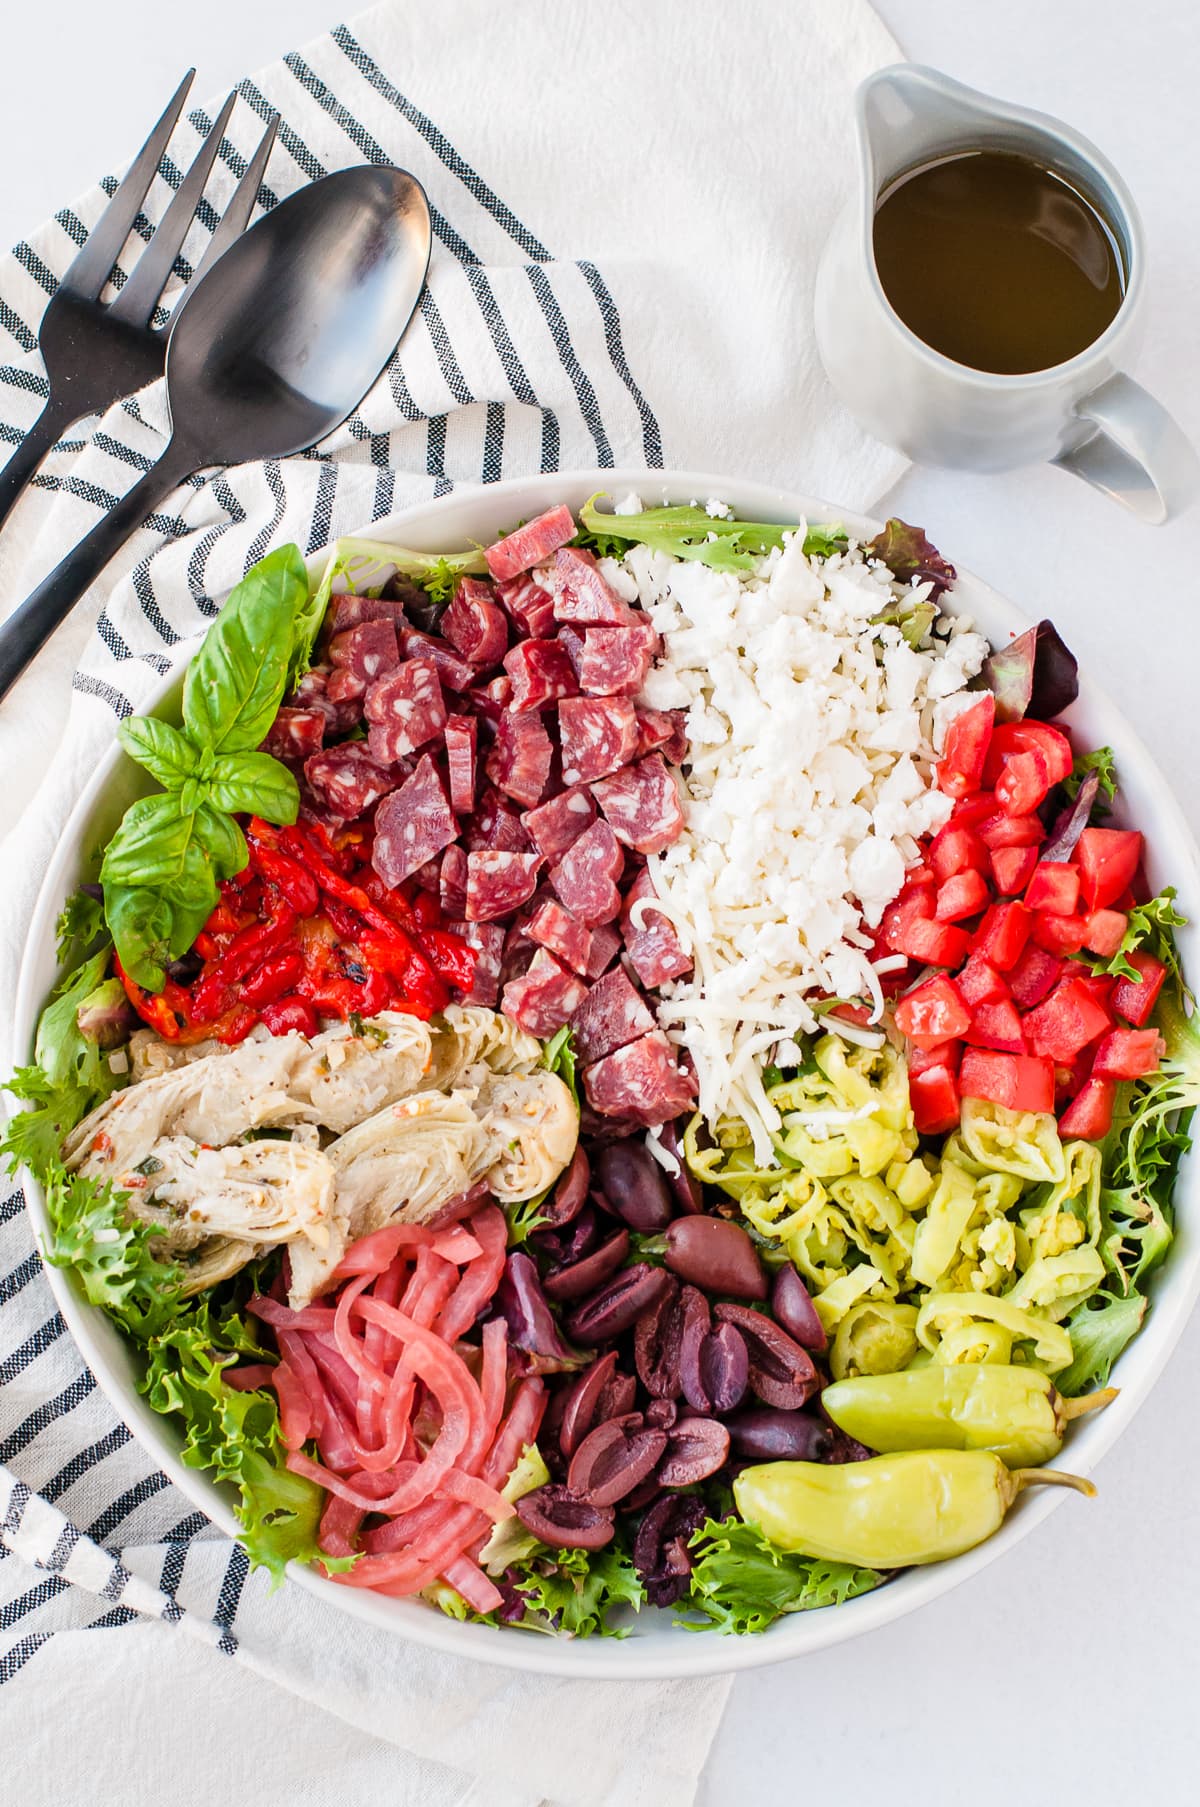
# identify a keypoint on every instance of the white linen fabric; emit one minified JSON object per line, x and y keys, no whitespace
{"x":624,"y":247}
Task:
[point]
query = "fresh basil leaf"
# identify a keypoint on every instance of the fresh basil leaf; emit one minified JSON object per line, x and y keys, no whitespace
{"x":150,"y":846}
{"x":257,"y":784}
{"x":236,"y":681}
{"x":140,"y":921}
{"x":194,"y":895}
{"x":166,"y":754}
{"x":216,"y":834}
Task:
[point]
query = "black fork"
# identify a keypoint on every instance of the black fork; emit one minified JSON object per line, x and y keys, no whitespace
{"x":96,"y":352}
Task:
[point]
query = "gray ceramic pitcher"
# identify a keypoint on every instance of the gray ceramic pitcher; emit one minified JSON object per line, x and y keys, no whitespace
{"x":1087,"y":414}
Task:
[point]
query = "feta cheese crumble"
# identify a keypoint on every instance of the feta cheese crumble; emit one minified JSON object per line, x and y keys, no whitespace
{"x":813,"y":732}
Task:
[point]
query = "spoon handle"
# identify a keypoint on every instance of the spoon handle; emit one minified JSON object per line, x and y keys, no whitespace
{"x":45,"y":432}
{"x":31,"y":625}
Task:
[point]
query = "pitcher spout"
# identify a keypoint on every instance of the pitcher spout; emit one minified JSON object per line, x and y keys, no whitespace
{"x":908,"y":114}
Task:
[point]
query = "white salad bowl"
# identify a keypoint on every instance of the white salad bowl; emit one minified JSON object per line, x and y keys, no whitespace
{"x":655,"y":1647}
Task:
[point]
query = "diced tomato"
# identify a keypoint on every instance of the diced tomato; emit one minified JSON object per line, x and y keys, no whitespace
{"x":997,"y":1025}
{"x":1054,"y":888}
{"x":966,"y":894}
{"x":1129,"y":1054}
{"x":913,"y":903}
{"x":1011,"y":868}
{"x":1105,"y":932}
{"x":1068,"y":1019}
{"x":1002,"y":935}
{"x":1134,"y":999}
{"x":980,"y":983}
{"x":1011,"y":831}
{"x":940,"y":1054}
{"x":1070,"y":1079}
{"x":1088,"y":1117}
{"x":920,"y":874}
{"x":956,"y":849}
{"x":1023,"y":784}
{"x":1019,"y":1082}
{"x":935,"y":943}
{"x":933,"y":1094}
{"x":1097,"y":985}
{"x":1011,"y":739}
{"x":1108,"y":859}
{"x":933,"y":1013}
{"x":1033,"y":977}
{"x":970,"y":811}
{"x":967,"y":740}
{"x":1059,"y":934}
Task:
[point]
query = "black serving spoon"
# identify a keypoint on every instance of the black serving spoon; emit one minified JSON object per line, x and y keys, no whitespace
{"x":269,"y":352}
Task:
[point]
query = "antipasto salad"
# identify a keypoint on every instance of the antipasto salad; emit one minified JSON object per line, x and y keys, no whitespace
{"x":630,"y":1068}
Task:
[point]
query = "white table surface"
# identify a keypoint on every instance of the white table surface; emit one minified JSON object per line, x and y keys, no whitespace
{"x":1068,"y":1673}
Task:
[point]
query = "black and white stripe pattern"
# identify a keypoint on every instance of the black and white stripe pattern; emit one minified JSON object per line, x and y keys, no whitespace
{"x":516,"y":361}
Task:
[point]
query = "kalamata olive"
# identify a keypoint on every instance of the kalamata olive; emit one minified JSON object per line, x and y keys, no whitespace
{"x":717,"y":1255}
{"x":685,"y":1188}
{"x":724,"y":1369}
{"x":531,"y":1326}
{"x":656,"y":1338}
{"x":662,"y":1413}
{"x":632,"y":1181}
{"x":573,"y":1241}
{"x":697,"y":1324}
{"x":764,"y":1434}
{"x":614,"y":1458}
{"x":792,"y":1307}
{"x":696,"y":1448}
{"x":570,"y":1195}
{"x":781,"y":1372}
{"x":558,"y":1518}
{"x":599,"y":1393}
{"x":618,"y":1304}
{"x":660,"y":1549}
{"x":583,"y":1277}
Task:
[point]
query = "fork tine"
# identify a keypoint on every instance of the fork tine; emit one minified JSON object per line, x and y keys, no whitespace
{"x":90,"y":269}
{"x":138,"y":298}
{"x":241,"y":204}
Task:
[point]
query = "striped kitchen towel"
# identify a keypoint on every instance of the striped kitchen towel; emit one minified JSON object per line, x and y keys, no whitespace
{"x":624,"y":248}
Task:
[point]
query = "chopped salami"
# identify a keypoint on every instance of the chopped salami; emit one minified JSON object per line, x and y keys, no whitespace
{"x":598,"y":736}
{"x":412,"y":824}
{"x":572,"y":639}
{"x":520,"y":757}
{"x":541,"y":1002}
{"x":650,"y":941}
{"x":495,"y":825}
{"x":461,"y":736}
{"x":605,"y":943}
{"x":613,"y":1014}
{"x":540,"y":673}
{"x":555,"y":826}
{"x":555,"y":928}
{"x":429,"y":877}
{"x":642,"y":1082}
{"x":406,"y":708}
{"x":584,"y":880}
{"x":528,"y":606}
{"x":518,"y":952}
{"x":347,"y":609}
{"x":312,"y":692}
{"x":344,"y":687}
{"x":295,"y":734}
{"x":367,"y":650}
{"x":583,"y":594}
{"x":499,"y":883}
{"x":454,"y":672}
{"x":529,"y":545}
{"x":642,"y":804}
{"x":474,"y":623}
{"x":347,"y":780}
{"x":663,"y":731}
{"x":452,"y":881}
{"x":614,"y":661}
{"x":487,"y":938}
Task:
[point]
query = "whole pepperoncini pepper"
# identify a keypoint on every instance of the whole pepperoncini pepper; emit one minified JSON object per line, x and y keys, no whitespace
{"x":1015,"y":1412}
{"x":891,"y":1511}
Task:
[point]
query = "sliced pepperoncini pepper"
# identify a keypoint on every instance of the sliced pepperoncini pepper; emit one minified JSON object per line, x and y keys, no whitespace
{"x":890,"y":1512}
{"x":1015,"y":1412}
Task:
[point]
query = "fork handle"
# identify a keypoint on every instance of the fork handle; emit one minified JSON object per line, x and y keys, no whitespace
{"x":31,"y":625}
{"x":45,"y":433}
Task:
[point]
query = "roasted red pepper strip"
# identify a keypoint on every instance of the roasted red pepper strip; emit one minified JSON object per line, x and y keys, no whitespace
{"x":289,"y":877}
{"x":453,"y":957}
{"x":422,"y":972}
{"x":236,"y":1026}
{"x":161,"y":1011}
{"x":394,"y":903}
{"x":277,"y":974}
{"x":248,"y":949}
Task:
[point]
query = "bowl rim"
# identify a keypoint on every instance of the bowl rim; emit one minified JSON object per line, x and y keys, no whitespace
{"x":652,"y":1652}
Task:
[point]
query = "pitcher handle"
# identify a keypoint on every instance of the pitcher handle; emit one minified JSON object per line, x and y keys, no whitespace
{"x":1140,"y":456}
